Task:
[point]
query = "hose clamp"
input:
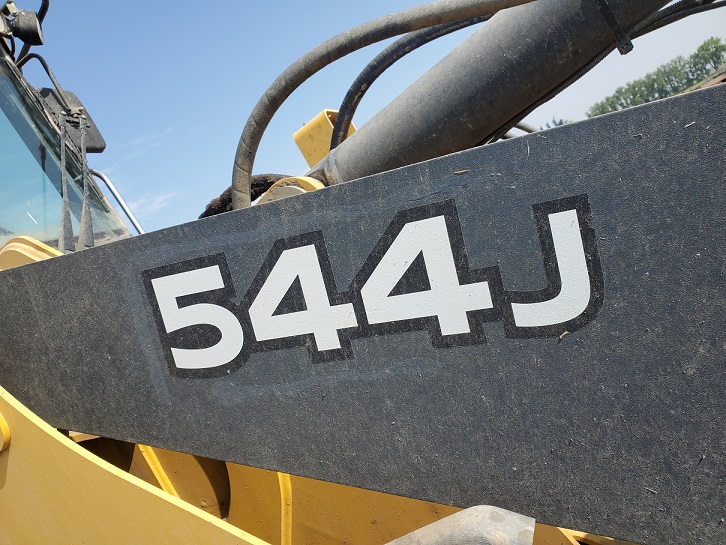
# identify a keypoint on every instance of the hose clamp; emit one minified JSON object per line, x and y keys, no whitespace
{"x":622,"y":40}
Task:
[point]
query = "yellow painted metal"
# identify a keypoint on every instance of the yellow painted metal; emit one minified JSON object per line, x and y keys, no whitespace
{"x":79,"y":437}
{"x":200,"y":481}
{"x":552,"y":535}
{"x":157,"y":469}
{"x":313,"y":139}
{"x":324,"y":512}
{"x":305,"y":182}
{"x":285,"y":508}
{"x":592,"y":539}
{"x":4,"y":433}
{"x":23,"y":250}
{"x":289,"y":187}
{"x":54,"y":491}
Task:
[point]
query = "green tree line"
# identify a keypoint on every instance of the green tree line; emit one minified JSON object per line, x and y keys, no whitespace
{"x":669,"y":79}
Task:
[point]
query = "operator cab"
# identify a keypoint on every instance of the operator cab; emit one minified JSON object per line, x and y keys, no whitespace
{"x":30,"y":170}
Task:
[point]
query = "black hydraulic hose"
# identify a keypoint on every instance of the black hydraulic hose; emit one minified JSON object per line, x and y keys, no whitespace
{"x":656,"y":20}
{"x":48,"y":71}
{"x":653,"y":17}
{"x":666,"y":11}
{"x":677,"y":16}
{"x":403,"y":22}
{"x":383,"y":61}
{"x":45,"y":4}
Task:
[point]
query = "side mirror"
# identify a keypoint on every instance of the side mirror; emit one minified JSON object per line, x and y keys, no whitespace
{"x":94,"y":141}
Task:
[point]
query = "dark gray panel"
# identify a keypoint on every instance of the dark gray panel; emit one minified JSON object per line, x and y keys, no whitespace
{"x":616,"y":428}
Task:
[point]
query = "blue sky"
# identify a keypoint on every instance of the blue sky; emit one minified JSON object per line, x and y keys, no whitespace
{"x":171,"y":84}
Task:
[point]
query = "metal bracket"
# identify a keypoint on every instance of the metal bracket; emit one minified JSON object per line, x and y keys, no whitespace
{"x":7,"y":10}
{"x":622,"y":40}
{"x":288,"y":187}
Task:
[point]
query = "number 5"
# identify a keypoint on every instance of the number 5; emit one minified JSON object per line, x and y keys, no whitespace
{"x":169,"y":288}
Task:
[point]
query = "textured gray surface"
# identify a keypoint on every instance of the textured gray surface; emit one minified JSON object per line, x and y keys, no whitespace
{"x":618,"y":428}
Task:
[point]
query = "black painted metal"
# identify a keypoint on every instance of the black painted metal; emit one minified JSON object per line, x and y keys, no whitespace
{"x":616,"y":428}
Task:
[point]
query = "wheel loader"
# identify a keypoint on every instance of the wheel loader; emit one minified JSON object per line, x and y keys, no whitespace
{"x":439,"y":334}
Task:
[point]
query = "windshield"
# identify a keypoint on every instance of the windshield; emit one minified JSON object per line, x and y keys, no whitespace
{"x":30,"y":178}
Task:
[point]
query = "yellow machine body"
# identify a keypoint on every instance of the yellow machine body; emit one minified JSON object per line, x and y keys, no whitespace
{"x":53,"y":491}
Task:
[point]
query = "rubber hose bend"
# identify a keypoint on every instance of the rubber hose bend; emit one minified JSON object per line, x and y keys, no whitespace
{"x":436,"y":13}
{"x":383,"y":61}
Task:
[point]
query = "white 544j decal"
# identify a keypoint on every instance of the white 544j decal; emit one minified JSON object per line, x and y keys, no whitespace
{"x":417,"y":277}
